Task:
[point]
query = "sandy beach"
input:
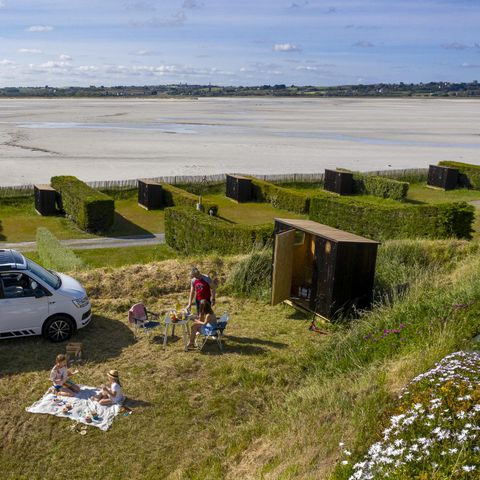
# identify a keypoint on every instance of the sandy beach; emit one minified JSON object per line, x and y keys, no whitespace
{"x":106,"y":139}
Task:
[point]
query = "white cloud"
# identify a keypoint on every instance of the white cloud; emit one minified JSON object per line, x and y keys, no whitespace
{"x":364,"y":44}
{"x":40,"y":28}
{"x":175,"y":20}
{"x":29,"y":50}
{"x":2,"y":4}
{"x":142,"y":53}
{"x":286,"y":47}
{"x":87,"y":68}
{"x":192,"y":4}
{"x":6,"y":62}
{"x":454,"y":46}
{"x":470,"y":65}
{"x":64,"y":58}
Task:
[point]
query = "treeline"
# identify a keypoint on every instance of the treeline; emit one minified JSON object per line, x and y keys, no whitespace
{"x":431,"y":89}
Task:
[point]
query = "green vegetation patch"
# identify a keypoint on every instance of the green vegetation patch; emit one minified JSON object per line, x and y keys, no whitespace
{"x":280,"y":197}
{"x":90,"y":209}
{"x":383,"y":220}
{"x":54,"y":255}
{"x":192,"y":232}
{"x":379,"y":186}
{"x":177,"y":197}
{"x":469,"y":174}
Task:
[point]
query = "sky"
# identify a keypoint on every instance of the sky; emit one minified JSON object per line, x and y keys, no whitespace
{"x":229,"y":42}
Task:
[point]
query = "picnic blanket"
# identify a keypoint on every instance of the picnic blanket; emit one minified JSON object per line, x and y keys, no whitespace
{"x":81,"y":405}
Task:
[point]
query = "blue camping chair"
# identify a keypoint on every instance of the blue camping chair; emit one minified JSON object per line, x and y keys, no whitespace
{"x":212,"y":331}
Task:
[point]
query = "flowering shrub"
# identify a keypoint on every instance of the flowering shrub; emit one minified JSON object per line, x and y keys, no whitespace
{"x":434,"y":431}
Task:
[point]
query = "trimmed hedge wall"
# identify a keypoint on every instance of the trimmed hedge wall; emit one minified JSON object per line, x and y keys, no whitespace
{"x":280,"y":197}
{"x":54,"y":255}
{"x":383,"y":221}
{"x":193,"y":232}
{"x":379,"y":186}
{"x":90,"y":209}
{"x":469,"y":175}
{"x":177,"y":197}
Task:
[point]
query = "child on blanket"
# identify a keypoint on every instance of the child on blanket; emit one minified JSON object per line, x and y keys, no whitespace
{"x":59,"y":377}
{"x":111,"y":394}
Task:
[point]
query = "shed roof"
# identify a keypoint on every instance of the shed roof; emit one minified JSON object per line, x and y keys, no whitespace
{"x":325,"y":231}
{"x":44,"y":186}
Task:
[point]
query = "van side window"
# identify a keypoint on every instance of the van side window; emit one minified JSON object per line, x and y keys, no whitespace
{"x":16,"y":285}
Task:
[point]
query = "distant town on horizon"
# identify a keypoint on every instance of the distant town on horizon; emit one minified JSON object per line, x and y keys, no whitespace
{"x":431,"y":89}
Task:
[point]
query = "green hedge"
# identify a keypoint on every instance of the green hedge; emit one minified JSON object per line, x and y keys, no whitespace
{"x":280,"y":197}
{"x":55,"y":256}
{"x":379,"y":186}
{"x":90,"y":209}
{"x":383,"y":221}
{"x":469,"y":174}
{"x":193,"y":232}
{"x":177,"y":197}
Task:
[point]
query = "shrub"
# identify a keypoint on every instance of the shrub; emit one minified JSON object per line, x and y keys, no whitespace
{"x":54,"y":255}
{"x":469,"y":175}
{"x":177,"y":197}
{"x":90,"y":209}
{"x":280,"y":197}
{"x":193,"y":232}
{"x":251,"y":277}
{"x":382,"y":221}
{"x":379,"y":186}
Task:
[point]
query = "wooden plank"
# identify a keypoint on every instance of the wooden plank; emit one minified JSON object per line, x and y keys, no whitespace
{"x":282,"y":266}
{"x":325,"y":231}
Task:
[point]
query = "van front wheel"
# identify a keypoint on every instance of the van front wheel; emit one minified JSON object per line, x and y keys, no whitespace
{"x":58,"y":329}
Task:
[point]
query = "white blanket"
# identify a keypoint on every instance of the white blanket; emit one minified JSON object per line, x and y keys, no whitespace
{"x":81,"y":405}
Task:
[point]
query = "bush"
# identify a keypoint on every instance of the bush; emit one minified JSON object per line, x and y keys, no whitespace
{"x":193,"y":232}
{"x":90,"y":209}
{"x":280,"y":197}
{"x":177,"y":197}
{"x":251,"y":277}
{"x":54,"y":255}
{"x":469,"y":175}
{"x":381,"y":221}
{"x":379,"y":186}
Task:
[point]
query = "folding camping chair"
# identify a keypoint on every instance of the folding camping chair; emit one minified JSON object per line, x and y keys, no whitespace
{"x":139,"y":317}
{"x":214,"y":331}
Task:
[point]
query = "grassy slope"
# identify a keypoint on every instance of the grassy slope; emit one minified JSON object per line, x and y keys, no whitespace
{"x":275,"y":405}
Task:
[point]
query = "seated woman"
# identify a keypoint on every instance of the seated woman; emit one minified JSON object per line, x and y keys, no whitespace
{"x":59,"y":376}
{"x":111,"y":394}
{"x":205,"y":318}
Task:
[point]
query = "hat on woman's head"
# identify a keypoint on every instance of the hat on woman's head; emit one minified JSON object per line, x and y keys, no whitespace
{"x":113,"y":373}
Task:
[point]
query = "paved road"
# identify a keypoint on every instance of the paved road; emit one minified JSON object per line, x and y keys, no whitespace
{"x":103,"y":242}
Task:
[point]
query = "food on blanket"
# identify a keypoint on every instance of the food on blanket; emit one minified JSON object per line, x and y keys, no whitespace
{"x":88,"y":419}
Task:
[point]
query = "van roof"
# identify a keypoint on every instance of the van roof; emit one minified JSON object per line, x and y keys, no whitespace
{"x":12,"y":260}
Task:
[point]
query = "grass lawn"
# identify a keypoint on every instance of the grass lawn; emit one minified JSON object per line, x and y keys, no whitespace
{"x":275,"y":405}
{"x":250,"y":213}
{"x":419,"y":192}
{"x":191,"y":410}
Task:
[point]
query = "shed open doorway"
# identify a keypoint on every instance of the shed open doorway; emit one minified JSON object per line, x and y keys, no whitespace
{"x":322,"y":269}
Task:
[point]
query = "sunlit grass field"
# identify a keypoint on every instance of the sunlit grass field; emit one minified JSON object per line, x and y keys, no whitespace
{"x":275,"y":405}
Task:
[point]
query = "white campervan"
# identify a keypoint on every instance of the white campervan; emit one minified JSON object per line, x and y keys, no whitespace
{"x":36,"y":301}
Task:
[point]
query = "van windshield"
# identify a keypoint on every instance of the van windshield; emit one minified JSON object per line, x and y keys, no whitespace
{"x":47,"y":276}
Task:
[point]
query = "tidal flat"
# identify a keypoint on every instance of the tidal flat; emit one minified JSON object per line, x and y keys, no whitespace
{"x":128,"y":138}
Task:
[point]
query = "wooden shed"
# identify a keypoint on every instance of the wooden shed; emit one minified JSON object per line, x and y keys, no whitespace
{"x":46,"y":199}
{"x":442,"y":177}
{"x":338,"y":181}
{"x":150,"y":194}
{"x":239,"y":188}
{"x":322,"y":269}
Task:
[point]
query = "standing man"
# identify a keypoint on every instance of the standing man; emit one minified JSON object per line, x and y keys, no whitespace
{"x":202,"y":288}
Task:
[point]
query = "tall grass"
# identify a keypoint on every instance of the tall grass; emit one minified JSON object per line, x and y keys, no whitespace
{"x":251,"y":277}
{"x":351,"y":381}
{"x":54,"y":255}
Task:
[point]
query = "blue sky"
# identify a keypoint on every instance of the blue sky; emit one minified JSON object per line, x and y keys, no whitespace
{"x":247,"y":42}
